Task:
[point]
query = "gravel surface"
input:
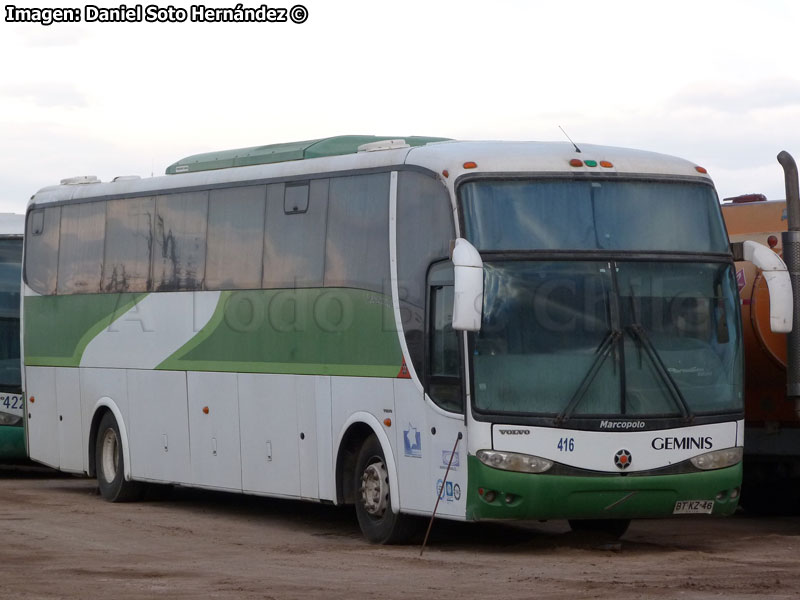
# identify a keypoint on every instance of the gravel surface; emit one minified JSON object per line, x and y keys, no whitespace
{"x":61,"y":540}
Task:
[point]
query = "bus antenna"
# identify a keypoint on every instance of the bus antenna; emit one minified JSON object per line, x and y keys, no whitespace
{"x":578,"y":150}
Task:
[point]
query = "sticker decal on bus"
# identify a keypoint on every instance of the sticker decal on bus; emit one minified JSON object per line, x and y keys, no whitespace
{"x":412,"y":442}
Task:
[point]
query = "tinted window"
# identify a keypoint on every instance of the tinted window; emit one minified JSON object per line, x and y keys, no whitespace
{"x":80,"y":258}
{"x":10,"y":260}
{"x":294,"y":244}
{"x":295,"y":198}
{"x":235,"y":238}
{"x":357,"y":250}
{"x":179,"y":255}
{"x":592,"y":215}
{"x":41,"y":252}
{"x":444,"y":372}
{"x":424,"y":230}
{"x":129,"y":244}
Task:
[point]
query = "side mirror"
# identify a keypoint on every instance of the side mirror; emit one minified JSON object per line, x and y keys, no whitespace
{"x":778,"y":282}
{"x":468,"y":286}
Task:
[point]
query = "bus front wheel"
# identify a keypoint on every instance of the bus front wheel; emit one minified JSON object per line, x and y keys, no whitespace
{"x":378,"y":523}
{"x":110,"y":464}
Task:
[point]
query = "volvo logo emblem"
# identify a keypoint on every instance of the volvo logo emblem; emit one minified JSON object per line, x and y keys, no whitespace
{"x":623,"y":459}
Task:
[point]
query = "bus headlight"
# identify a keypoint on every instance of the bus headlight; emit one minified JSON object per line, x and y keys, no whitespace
{"x":718,"y":459}
{"x":9,"y":419}
{"x":511,"y":461}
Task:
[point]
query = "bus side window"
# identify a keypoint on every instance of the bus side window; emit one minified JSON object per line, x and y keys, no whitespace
{"x":444,"y":373}
{"x":41,"y":255}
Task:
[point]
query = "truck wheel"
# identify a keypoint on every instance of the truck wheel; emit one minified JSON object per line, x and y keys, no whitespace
{"x":110,"y":464}
{"x":373,"y":504}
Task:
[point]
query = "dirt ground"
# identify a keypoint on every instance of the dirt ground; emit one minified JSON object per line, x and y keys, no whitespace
{"x":59,"y":539}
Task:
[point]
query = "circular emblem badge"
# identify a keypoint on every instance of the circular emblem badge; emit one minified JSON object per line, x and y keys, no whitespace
{"x":623,"y":459}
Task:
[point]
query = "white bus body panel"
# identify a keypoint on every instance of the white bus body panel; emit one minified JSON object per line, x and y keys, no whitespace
{"x":159,"y":426}
{"x":43,"y":438}
{"x":305,"y":401}
{"x":453,"y":490}
{"x":285,"y":435}
{"x":410,"y":438}
{"x":595,"y":450}
{"x":270,"y":439}
{"x":151,"y":330}
{"x":55,"y":439}
{"x":214,"y":430}
{"x":424,"y":438}
{"x":70,"y":438}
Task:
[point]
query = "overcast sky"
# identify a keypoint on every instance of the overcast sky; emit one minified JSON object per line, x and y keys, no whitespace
{"x":716,"y":82}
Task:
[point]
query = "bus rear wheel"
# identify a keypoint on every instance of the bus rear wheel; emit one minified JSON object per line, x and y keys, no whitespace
{"x":615,"y":528}
{"x":378,"y":523}
{"x":110,"y":464}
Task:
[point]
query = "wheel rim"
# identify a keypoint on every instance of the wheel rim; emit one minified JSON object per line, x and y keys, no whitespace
{"x":375,"y":489}
{"x":110,"y":455}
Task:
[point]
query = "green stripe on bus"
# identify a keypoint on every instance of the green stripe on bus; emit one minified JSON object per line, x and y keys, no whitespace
{"x":77,"y":319}
{"x":322,"y":331}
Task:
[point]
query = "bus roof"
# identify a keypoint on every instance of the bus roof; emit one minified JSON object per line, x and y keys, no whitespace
{"x":320,"y":157}
{"x":274,"y":153}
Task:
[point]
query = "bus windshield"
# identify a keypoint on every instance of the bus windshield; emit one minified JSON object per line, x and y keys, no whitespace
{"x":557,"y":214}
{"x":608,"y":338}
{"x":10,"y":264}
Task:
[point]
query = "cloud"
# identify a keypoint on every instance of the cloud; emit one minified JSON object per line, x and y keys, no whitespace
{"x":46,"y":94}
{"x":730,"y":97}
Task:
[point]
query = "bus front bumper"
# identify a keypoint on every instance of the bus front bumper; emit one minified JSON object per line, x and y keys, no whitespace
{"x":12,"y":443}
{"x":497,"y":494}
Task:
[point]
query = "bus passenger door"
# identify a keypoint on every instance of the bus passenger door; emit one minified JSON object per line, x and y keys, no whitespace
{"x":445,"y":397}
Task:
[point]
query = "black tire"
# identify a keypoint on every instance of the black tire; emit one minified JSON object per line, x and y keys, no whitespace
{"x":615,"y":528}
{"x":372,"y":498}
{"x":110,"y":464}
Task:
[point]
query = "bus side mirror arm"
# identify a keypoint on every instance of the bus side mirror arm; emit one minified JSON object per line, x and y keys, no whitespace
{"x":468,"y":286}
{"x":778,"y":282}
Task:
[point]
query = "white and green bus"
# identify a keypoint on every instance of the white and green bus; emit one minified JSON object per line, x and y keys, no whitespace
{"x":517,"y":330}
{"x":12,"y":434}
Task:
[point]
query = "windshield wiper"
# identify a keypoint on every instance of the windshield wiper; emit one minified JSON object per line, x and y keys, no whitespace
{"x":603,"y":350}
{"x":638,"y":333}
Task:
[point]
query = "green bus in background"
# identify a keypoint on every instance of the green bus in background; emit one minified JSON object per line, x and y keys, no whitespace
{"x":12,"y":434}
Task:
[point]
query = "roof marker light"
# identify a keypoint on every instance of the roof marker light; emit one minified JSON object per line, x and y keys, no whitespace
{"x":470,"y":165}
{"x":576,"y":162}
{"x":590,"y":163}
{"x":605,"y":164}
{"x":702,"y":170}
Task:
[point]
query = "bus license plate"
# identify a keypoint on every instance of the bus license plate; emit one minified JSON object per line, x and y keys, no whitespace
{"x":693,"y":507}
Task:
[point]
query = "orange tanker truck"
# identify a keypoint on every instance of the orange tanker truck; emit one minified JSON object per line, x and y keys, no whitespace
{"x":772,"y":391}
